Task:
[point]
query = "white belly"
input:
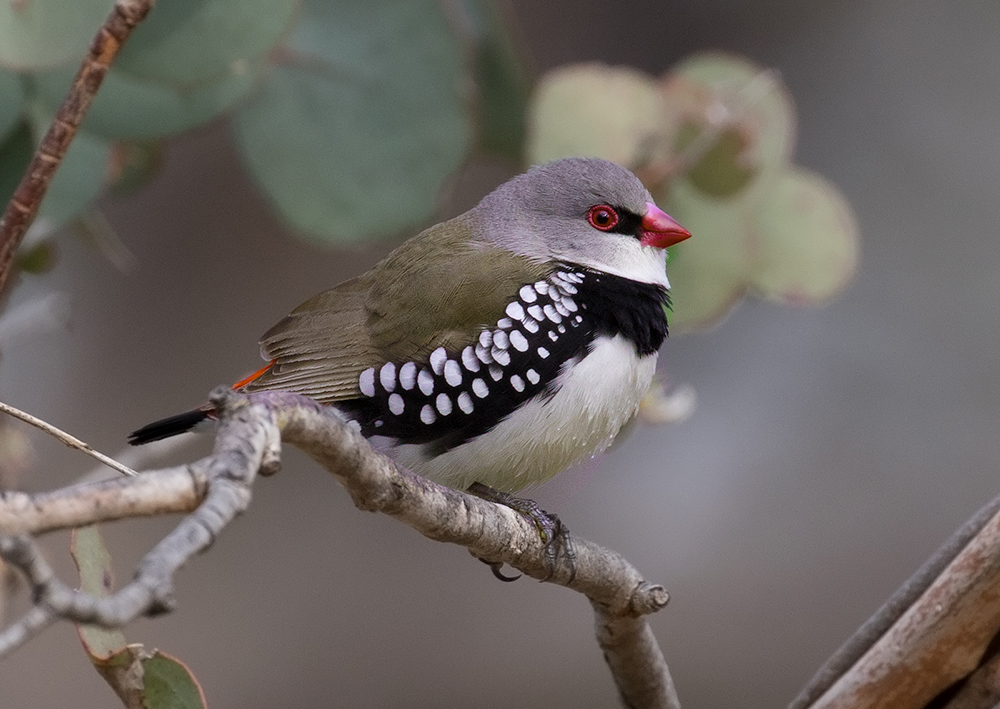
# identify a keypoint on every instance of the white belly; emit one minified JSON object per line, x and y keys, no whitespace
{"x":596,"y":397}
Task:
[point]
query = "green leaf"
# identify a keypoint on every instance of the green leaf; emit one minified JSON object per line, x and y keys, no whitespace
{"x":361,"y":121}
{"x":186,"y":43}
{"x":164,"y":682}
{"x":708,"y":272}
{"x":724,"y":94}
{"x":615,"y":113}
{"x":41,"y":34}
{"x":96,"y":578}
{"x":806,"y":240}
{"x":15,"y":154}
{"x":11,"y":102}
{"x":81,"y":178}
{"x":132,"y":108}
{"x":169,"y":684}
{"x":722,"y":170}
{"x":503,"y":80}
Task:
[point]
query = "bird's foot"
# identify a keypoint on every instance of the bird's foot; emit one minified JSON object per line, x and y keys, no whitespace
{"x":555,"y":535}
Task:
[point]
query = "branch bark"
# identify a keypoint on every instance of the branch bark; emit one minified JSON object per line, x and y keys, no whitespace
{"x":217,"y":488}
{"x":23,"y":206}
{"x":931,"y":634}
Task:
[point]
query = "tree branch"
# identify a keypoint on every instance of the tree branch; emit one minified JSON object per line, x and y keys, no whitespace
{"x":247,"y":443}
{"x":159,"y":492}
{"x":64,"y":437}
{"x":218,"y":488}
{"x":930,"y":634}
{"x":23,"y":206}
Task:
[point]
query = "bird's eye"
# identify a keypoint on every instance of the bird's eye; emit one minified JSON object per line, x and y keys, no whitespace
{"x":602,"y":217}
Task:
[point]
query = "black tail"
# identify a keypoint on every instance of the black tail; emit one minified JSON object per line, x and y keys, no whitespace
{"x":165,"y":428}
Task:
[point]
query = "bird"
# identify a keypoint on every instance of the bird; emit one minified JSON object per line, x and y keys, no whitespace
{"x":495,"y":349}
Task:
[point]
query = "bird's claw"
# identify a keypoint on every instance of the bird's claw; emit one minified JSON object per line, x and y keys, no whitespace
{"x":554,"y":534}
{"x":497,"y":568}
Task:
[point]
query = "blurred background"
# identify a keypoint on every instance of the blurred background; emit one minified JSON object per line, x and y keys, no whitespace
{"x":833,"y":449}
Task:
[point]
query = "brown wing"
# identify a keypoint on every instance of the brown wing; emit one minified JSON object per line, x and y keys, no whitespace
{"x":321,"y":347}
{"x":438,"y":289}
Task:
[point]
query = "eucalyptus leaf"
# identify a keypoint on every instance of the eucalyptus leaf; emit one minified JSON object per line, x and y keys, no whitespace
{"x":132,"y":108}
{"x":502,"y":78}
{"x":16,"y":150}
{"x":722,"y":169}
{"x":724,"y":95}
{"x":169,"y":684}
{"x":97,"y":578}
{"x":41,"y":34}
{"x":81,"y":178}
{"x":361,"y":121}
{"x":806,"y":240}
{"x":615,"y":113}
{"x":187,"y":43}
{"x":11,"y":101}
{"x":708,"y":272}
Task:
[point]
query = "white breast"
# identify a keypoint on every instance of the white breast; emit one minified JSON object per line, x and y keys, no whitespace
{"x":595,"y":398}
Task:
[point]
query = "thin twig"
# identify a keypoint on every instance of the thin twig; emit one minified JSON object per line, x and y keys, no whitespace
{"x":69,"y":440}
{"x":23,"y":206}
{"x":137,"y":457}
{"x":247,"y":444}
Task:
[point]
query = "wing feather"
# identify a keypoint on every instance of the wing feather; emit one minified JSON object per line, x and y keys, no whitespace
{"x":439,"y":289}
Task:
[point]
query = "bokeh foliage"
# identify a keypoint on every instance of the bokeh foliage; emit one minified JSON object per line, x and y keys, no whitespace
{"x":140,"y":677}
{"x":351,"y":116}
{"x":713,"y":140}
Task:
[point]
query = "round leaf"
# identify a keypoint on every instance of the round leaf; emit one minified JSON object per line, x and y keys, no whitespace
{"x":806,"y":240}
{"x":11,"y":101}
{"x":723,"y":95}
{"x":169,"y":684}
{"x":197,"y":41}
{"x":708,"y":272}
{"x":355,"y":131}
{"x":722,"y":170}
{"x":41,"y":34}
{"x":131,"y":108}
{"x":503,"y":81}
{"x":613,"y":113}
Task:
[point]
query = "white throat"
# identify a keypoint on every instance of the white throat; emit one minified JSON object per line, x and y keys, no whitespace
{"x":632,"y":261}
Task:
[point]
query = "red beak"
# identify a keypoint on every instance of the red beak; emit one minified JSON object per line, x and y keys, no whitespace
{"x":659,"y":229}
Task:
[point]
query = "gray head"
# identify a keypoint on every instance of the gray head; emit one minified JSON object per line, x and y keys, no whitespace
{"x":584,"y":211}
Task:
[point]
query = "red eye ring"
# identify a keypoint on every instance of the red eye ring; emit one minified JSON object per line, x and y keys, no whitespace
{"x":603,"y":217}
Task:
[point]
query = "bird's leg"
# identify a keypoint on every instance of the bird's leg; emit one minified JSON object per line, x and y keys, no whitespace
{"x":553,"y":532}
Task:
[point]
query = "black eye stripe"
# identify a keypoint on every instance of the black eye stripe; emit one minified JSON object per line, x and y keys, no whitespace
{"x":629,"y":223}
